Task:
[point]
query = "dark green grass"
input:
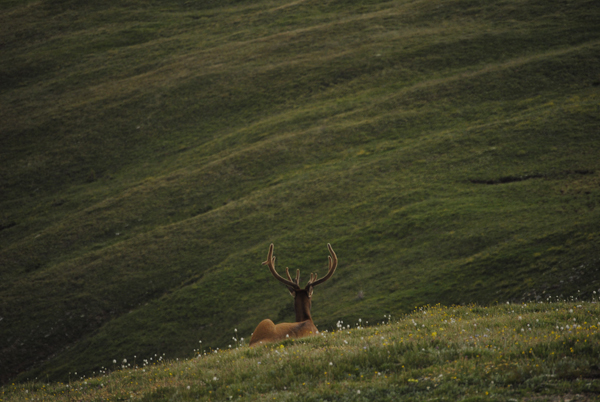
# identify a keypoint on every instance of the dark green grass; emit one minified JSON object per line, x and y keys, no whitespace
{"x":151,"y":152}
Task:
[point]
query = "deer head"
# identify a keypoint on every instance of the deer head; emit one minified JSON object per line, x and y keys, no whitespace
{"x":302,"y":296}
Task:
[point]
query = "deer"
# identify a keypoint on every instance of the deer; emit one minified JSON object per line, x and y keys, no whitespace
{"x":267,"y":331}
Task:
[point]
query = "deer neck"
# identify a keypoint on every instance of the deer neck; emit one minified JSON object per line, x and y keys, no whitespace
{"x":302,"y":306}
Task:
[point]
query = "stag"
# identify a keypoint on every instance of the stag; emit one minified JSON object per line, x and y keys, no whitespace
{"x":267,"y":331}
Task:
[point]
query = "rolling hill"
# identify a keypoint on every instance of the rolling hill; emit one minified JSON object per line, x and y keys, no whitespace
{"x":151,"y":151}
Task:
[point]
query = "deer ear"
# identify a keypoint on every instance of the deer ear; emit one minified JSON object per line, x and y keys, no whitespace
{"x":310,"y":290}
{"x":292,"y":292}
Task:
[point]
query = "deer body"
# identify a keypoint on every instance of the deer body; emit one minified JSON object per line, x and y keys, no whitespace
{"x":267,"y":331}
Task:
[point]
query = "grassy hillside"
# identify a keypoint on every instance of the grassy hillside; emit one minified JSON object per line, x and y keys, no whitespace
{"x":151,"y":151}
{"x":540,"y":351}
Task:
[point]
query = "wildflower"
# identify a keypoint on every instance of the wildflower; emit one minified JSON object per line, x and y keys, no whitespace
{"x":331,"y":363}
{"x":215,"y":378}
{"x":358,"y":391}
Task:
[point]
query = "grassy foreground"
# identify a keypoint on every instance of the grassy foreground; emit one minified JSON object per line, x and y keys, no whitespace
{"x":537,"y":351}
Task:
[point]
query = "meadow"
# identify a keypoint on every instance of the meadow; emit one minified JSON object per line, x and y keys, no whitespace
{"x":544,"y":351}
{"x":152,"y":150}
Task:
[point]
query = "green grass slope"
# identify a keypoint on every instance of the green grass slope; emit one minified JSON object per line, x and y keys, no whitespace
{"x":544,"y":351}
{"x":151,"y":151}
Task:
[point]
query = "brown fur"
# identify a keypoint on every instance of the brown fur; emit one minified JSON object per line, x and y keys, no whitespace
{"x":267,"y":331}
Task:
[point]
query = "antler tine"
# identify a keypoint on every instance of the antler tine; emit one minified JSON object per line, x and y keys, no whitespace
{"x":271,"y":264}
{"x":297,"y":281}
{"x":332,"y":266}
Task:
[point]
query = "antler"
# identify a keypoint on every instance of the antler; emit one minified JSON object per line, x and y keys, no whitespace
{"x":271,"y":264}
{"x":295,"y":284}
{"x":332,"y":266}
